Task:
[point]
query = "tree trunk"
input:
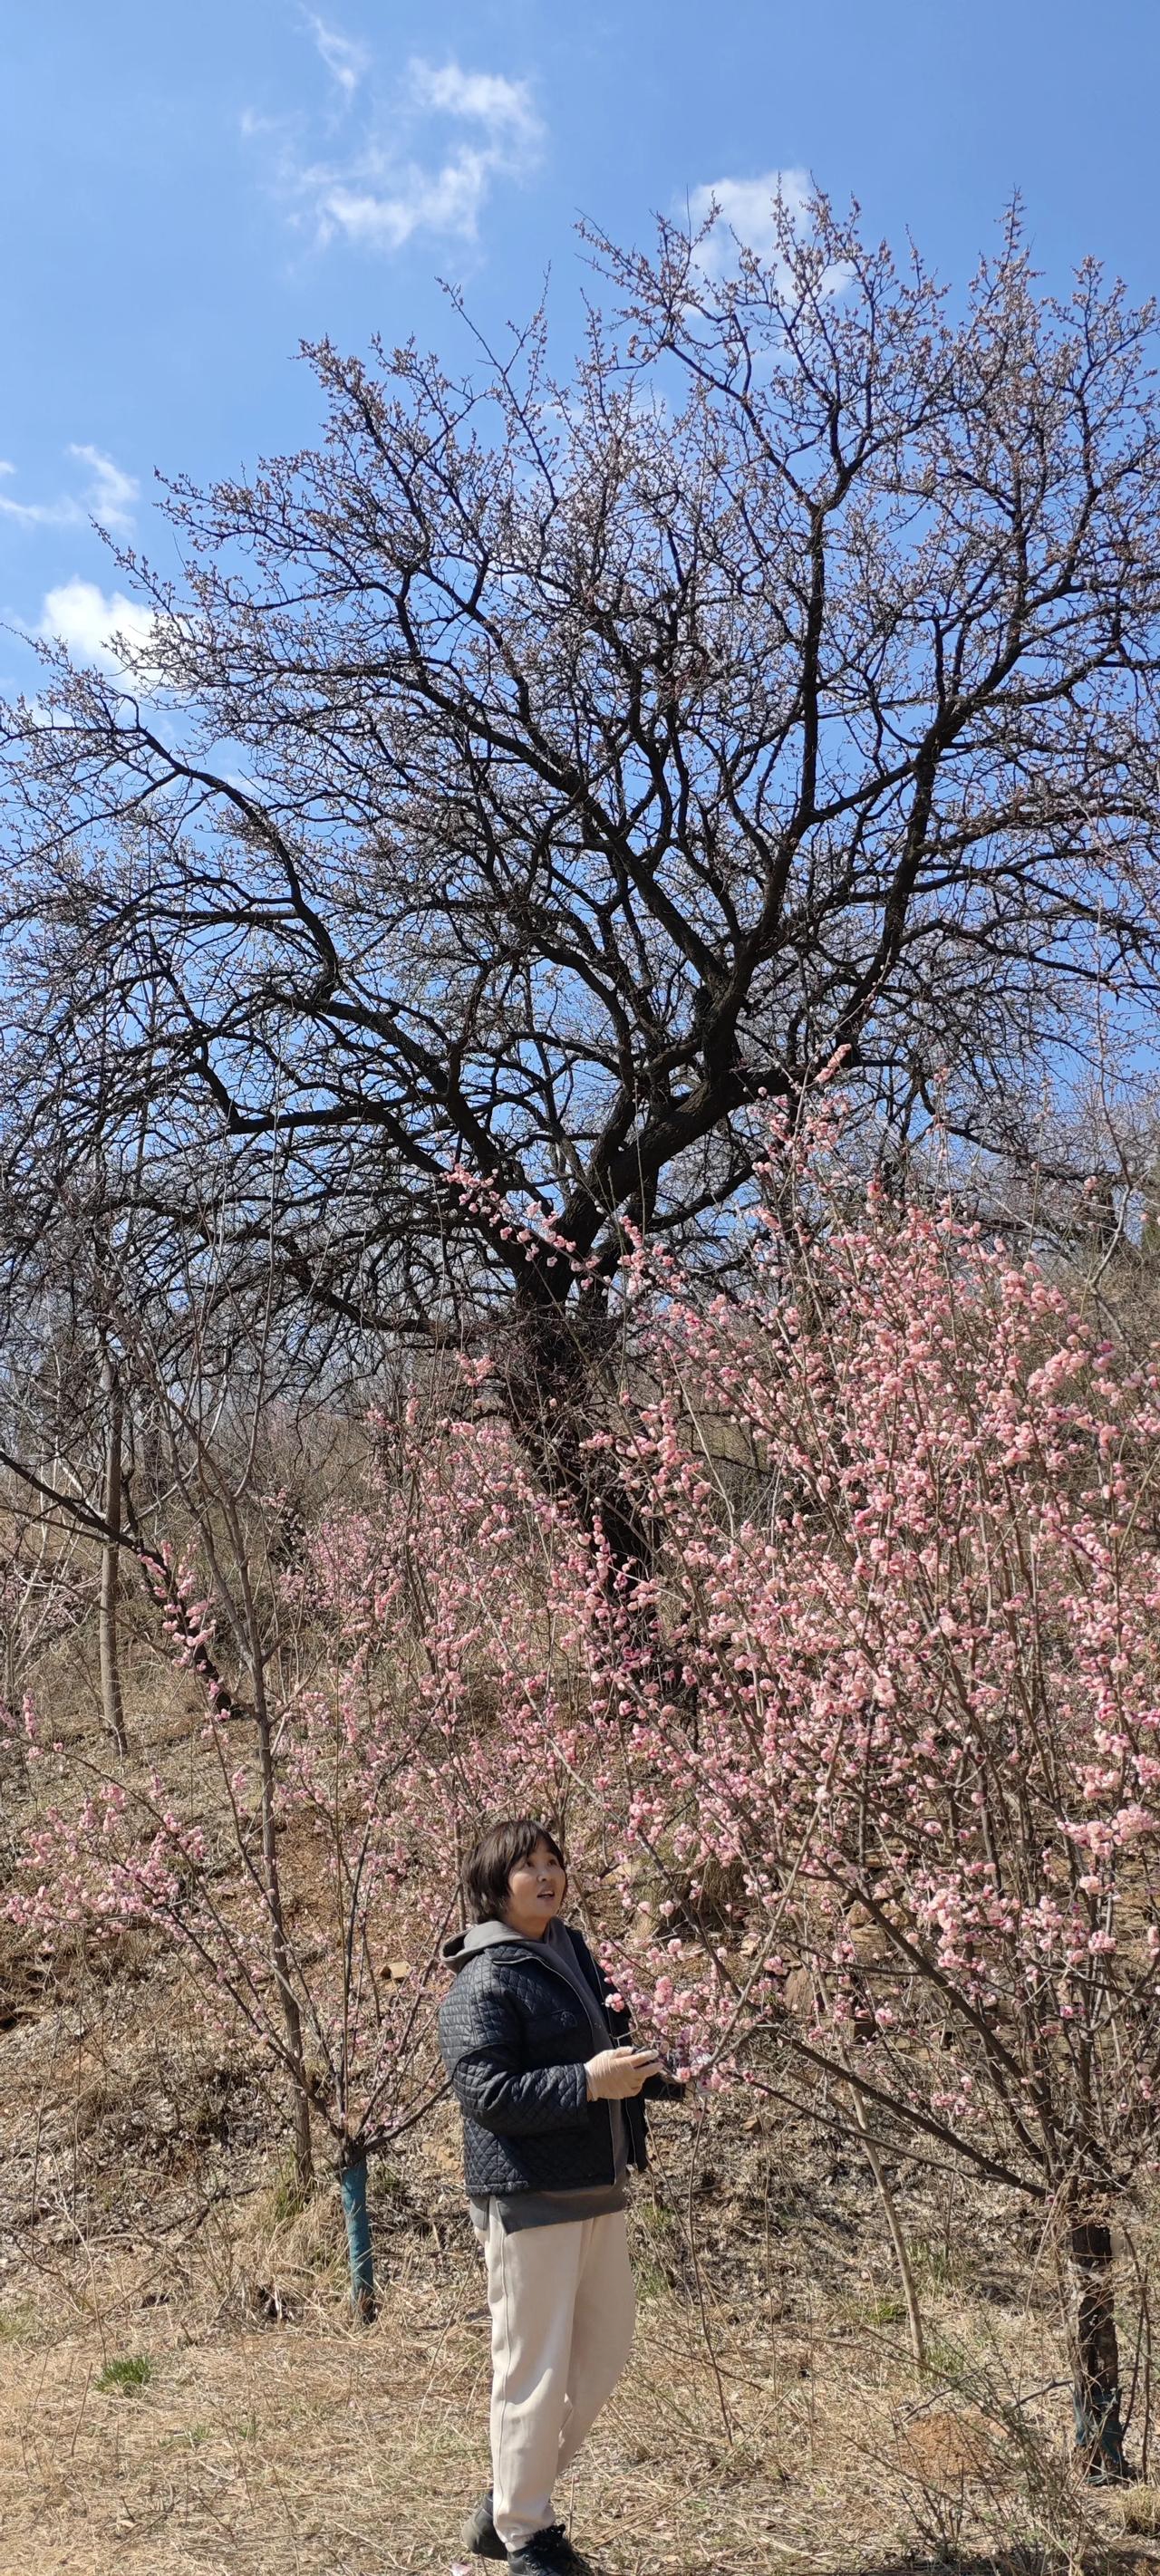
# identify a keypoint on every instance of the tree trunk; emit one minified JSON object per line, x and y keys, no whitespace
{"x":279,"y":1947}
{"x":1099,"y":2438}
{"x":558,"y":1388}
{"x":112,"y":1701}
{"x":11,"y":1685}
{"x":280,"y":1962}
{"x":555,"y":1372}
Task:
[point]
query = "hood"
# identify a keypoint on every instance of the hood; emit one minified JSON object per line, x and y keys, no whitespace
{"x":462,"y":1946}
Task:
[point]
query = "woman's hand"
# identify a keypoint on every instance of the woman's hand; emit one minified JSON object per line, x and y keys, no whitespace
{"x":617,"y":2072}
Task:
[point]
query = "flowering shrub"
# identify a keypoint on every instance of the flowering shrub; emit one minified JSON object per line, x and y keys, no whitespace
{"x":308,"y":1870}
{"x":911,"y":1579}
{"x":278,"y":1875}
{"x":910,"y":1583}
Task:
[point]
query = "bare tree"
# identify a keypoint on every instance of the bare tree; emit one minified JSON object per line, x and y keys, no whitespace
{"x":112,"y":1695}
{"x":62,"y":1416}
{"x":178,"y":1413}
{"x":534,"y":774}
{"x":43,"y":1598}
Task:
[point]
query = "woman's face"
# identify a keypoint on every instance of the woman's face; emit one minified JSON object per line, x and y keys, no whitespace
{"x":535,"y":1892}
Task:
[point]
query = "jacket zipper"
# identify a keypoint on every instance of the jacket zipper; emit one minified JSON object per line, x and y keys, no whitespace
{"x":554,"y":1971}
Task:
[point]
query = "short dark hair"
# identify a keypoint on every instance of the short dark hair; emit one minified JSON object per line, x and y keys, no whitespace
{"x":489,"y":1866}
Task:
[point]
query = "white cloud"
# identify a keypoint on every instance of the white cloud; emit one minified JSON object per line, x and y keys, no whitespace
{"x":112,"y":492}
{"x":446,"y":201}
{"x":108,"y":496}
{"x":86,"y":618}
{"x":501,"y":105}
{"x":427,"y":162}
{"x":346,"y":62}
{"x":746,"y":214}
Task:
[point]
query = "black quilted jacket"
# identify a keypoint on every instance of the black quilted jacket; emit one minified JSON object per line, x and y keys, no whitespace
{"x":514,"y":2039}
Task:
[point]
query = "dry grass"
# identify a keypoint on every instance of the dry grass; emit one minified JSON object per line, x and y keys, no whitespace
{"x":306,"y":2444}
{"x":302,"y":2449}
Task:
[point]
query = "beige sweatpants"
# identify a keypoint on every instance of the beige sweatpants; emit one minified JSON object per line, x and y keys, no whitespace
{"x":562,"y":2311}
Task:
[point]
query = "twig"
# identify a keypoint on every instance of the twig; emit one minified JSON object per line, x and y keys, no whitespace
{"x":894,"y":2223}
{"x":726,"y":2417}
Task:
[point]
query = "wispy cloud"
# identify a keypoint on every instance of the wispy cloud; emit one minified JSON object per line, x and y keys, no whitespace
{"x":78,"y":613}
{"x":108,"y":496}
{"x":426,"y":160}
{"x":347,"y":62}
{"x":111,"y":494}
{"x":746,"y":214}
{"x":503,"y":106}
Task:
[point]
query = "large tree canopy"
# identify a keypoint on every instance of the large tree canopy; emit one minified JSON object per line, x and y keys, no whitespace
{"x":535,"y":772}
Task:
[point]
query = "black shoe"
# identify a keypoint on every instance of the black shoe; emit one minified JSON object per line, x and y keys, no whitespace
{"x":548,"y":2553}
{"x":479,"y":2533}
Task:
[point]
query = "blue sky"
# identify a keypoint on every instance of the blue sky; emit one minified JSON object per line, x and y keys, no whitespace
{"x":189,"y":192}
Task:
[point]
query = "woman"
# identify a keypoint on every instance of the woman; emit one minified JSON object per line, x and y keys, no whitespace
{"x":552,"y":2119}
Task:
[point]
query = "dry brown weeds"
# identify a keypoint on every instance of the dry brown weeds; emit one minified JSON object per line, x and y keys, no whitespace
{"x":305,"y":2444}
